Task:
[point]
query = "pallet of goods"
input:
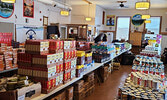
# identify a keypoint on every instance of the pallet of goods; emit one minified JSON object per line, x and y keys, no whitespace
{"x":8,"y":57}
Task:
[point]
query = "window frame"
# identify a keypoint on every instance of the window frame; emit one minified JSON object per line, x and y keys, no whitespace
{"x":159,"y":26}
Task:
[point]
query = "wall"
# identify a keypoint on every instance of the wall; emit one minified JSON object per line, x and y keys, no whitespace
{"x":99,"y":17}
{"x":131,"y":12}
{"x":46,"y":10}
{"x":80,"y":12}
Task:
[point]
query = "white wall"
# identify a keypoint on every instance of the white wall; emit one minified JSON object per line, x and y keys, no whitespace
{"x":99,"y":18}
{"x":46,"y":10}
{"x":80,"y":12}
{"x":131,"y":12}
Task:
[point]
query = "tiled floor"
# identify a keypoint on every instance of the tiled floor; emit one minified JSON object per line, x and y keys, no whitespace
{"x":109,"y":89}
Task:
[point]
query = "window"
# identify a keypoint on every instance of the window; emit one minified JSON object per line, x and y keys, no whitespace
{"x":123,"y":25}
{"x":154,"y":26}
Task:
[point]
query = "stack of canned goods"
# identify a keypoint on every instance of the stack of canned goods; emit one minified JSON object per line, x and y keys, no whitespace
{"x":148,"y":65}
{"x":131,"y":91}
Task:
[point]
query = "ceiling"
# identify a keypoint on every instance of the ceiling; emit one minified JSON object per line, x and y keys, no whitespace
{"x":112,"y":4}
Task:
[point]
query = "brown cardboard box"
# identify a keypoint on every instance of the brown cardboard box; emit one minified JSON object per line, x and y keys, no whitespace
{"x":61,"y":96}
{"x":89,"y":77}
{"x":79,"y":85}
{"x":9,"y":95}
{"x":27,"y":93}
{"x":69,"y":93}
{"x":79,"y":95}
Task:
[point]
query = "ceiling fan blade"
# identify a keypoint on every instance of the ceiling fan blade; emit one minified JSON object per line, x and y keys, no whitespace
{"x":126,"y":6}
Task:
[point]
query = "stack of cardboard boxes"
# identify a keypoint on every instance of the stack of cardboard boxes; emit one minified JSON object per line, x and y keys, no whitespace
{"x":45,"y":62}
{"x":89,"y":84}
{"x":70,"y":60}
{"x":84,"y":88}
{"x":8,"y":57}
{"x":79,"y":90}
{"x":105,"y":72}
{"x":65,"y":95}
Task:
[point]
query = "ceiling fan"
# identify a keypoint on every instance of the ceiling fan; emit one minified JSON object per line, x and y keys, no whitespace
{"x":122,"y":4}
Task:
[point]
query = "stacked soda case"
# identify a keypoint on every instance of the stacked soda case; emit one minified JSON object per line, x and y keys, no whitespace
{"x":8,"y":57}
{"x":6,"y":38}
{"x":83,"y":46}
{"x":42,"y":66}
{"x":70,"y":60}
{"x":37,"y":47}
{"x":103,"y":51}
{"x":55,"y":46}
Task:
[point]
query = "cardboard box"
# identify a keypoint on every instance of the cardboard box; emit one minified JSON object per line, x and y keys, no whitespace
{"x":69,"y":93}
{"x":79,"y":85}
{"x":79,"y":95}
{"x":8,"y":95}
{"x":25,"y":93}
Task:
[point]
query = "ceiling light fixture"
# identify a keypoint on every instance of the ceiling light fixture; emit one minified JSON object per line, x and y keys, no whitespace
{"x":145,"y":16}
{"x":64,"y":13}
{"x":147,"y":21}
{"x":143,"y":5}
{"x":88,"y":19}
{"x":8,"y":1}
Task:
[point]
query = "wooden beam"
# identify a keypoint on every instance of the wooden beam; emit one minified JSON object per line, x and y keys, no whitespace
{"x":87,"y":1}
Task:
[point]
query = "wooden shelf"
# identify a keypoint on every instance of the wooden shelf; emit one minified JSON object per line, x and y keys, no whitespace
{"x":5,"y":71}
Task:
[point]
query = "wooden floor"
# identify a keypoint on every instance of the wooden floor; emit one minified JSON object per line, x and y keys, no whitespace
{"x":109,"y":89}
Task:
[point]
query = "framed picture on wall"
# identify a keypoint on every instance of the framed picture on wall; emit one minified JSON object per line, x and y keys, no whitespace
{"x":28,"y":8}
{"x":6,"y":9}
{"x":45,"y":21}
{"x":110,"y":20}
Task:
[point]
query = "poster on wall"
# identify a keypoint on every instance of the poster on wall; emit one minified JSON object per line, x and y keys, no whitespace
{"x":137,"y":20}
{"x":28,"y":8}
{"x":24,"y":33}
{"x":110,"y":20}
{"x":6,"y":9}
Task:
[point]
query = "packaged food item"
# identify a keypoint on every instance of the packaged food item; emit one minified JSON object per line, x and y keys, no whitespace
{"x":37,"y":46}
{"x":80,"y":57}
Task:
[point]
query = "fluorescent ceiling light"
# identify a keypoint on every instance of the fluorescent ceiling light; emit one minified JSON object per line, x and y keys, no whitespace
{"x":64,"y":13}
{"x":8,"y":1}
{"x":88,"y":19}
{"x":145,"y":16}
{"x":147,"y":21}
{"x":142,"y":5}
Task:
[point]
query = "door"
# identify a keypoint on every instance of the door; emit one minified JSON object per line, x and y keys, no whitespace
{"x":123,"y":28}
